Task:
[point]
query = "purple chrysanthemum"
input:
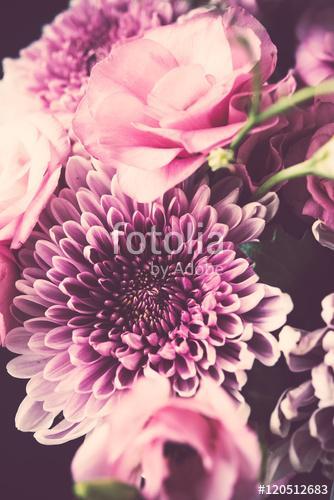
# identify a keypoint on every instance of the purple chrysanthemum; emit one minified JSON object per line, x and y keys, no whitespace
{"x":56,"y":67}
{"x":304,"y":415}
{"x":117,"y":289}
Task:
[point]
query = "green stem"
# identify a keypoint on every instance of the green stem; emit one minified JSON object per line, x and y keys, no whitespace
{"x":300,"y":170}
{"x":256,"y":100}
{"x":282,"y":106}
{"x":299,"y":97}
{"x":251,"y":122}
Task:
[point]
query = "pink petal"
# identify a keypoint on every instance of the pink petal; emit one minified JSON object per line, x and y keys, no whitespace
{"x":198,"y":141}
{"x":146,"y":186}
{"x":28,"y":220}
{"x":192,"y":42}
{"x":133,"y":67}
{"x":178,"y":89}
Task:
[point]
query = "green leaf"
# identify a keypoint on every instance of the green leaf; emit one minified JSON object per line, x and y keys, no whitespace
{"x":106,"y":490}
{"x":283,"y":260}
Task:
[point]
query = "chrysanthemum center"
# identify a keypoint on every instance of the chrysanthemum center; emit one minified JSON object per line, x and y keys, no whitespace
{"x":145,"y":300}
{"x":143,"y":297}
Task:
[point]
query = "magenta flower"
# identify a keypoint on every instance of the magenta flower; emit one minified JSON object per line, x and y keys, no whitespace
{"x":174,"y":448}
{"x":315,"y":52}
{"x":181,"y":97}
{"x":295,"y":138}
{"x":112,"y":289}
{"x":56,"y":67}
{"x":267,"y":151}
{"x":304,"y":415}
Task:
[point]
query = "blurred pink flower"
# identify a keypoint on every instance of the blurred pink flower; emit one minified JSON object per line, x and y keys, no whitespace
{"x":315,"y":53}
{"x":32,"y":149}
{"x":160,"y":103}
{"x":174,"y":448}
{"x":8,"y":276}
{"x":14,"y":103}
{"x":54,"y":70}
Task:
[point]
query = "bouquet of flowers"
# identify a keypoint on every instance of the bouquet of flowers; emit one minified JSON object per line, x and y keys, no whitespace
{"x":166,"y":245}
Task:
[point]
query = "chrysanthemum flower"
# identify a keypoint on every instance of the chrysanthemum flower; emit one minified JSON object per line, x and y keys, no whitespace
{"x":304,"y":414}
{"x":117,"y":289}
{"x":56,"y":67}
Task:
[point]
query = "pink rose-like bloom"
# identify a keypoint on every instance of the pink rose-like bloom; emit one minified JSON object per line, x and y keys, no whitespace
{"x":158,"y":104}
{"x":315,"y":53}
{"x":8,"y":276}
{"x":196,"y":448}
{"x":32,"y":150}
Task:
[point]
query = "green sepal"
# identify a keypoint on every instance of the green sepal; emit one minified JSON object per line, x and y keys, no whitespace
{"x":106,"y":490}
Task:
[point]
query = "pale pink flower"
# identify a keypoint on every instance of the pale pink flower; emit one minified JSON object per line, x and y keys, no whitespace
{"x":32,"y":149}
{"x":8,"y":276}
{"x":160,"y":103}
{"x":14,"y":103}
{"x":174,"y":448}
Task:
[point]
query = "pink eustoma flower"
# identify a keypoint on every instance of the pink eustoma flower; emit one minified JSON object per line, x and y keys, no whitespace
{"x":32,"y":149}
{"x":158,"y":104}
{"x":174,"y":448}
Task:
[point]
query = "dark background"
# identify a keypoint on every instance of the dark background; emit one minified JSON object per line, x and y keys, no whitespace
{"x":21,"y":22}
{"x":28,"y":470}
